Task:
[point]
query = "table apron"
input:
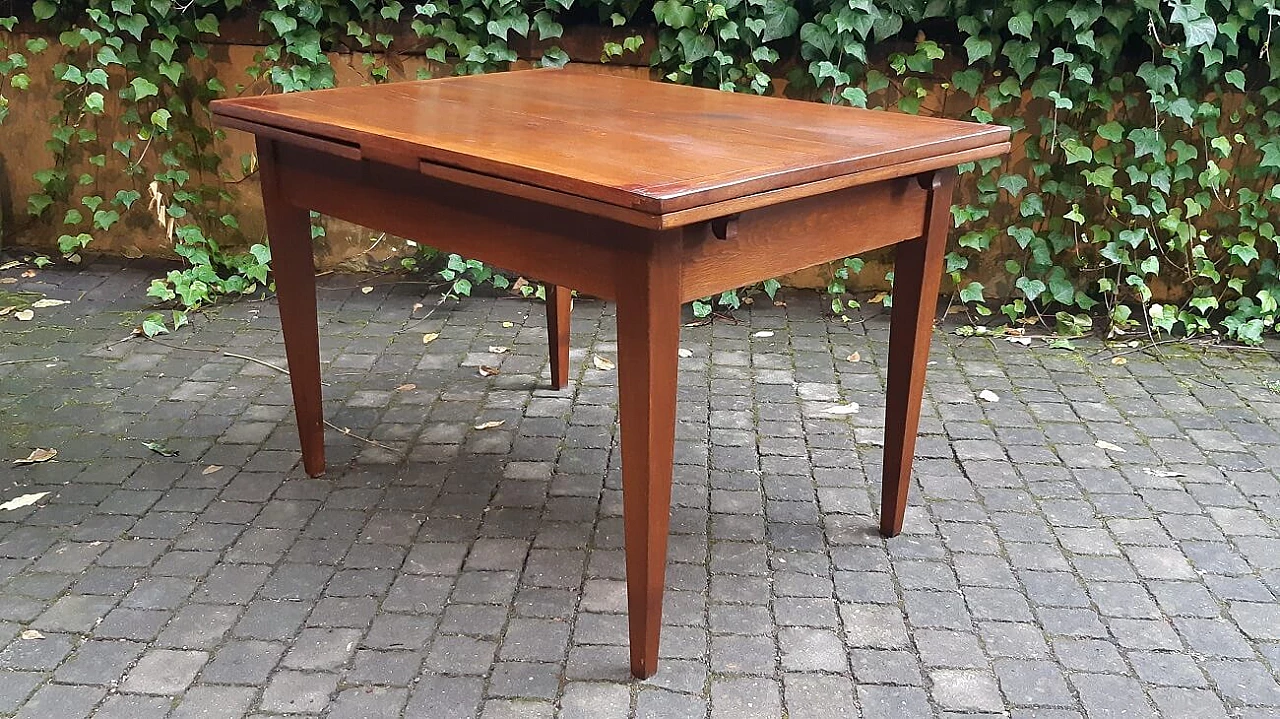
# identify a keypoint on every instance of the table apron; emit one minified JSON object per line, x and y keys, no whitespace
{"x":548,"y":243}
{"x":772,"y":241}
{"x":589,"y":253}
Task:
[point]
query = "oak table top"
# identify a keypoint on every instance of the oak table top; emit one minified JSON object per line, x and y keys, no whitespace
{"x":648,"y":146}
{"x":643,"y":193}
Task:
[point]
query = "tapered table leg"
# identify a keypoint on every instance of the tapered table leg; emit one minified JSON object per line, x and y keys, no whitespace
{"x":559,"y":309}
{"x":289,"y":234}
{"x":648,"y":346}
{"x":917,"y":272}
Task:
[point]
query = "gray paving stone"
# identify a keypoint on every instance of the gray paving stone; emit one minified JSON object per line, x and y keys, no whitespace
{"x":99,"y":662}
{"x":15,"y":687}
{"x":293,"y":692}
{"x":242,"y":662}
{"x":745,"y":698}
{"x":164,"y":671}
{"x":62,"y":701}
{"x":369,"y":703}
{"x":322,"y":648}
{"x":885,"y":702}
{"x":74,"y":613}
{"x":965,"y":690}
{"x":481,"y":574}
{"x":1110,"y":697}
{"x":209,"y":702}
{"x":36,"y":654}
{"x":1035,"y":683}
{"x":818,"y":696}
{"x":134,"y":706}
{"x":445,"y":697}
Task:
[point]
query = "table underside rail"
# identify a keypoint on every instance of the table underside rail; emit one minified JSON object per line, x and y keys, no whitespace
{"x":513,"y":232}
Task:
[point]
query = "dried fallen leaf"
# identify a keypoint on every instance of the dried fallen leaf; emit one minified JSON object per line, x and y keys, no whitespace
{"x":684,"y":352}
{"x":9,"y":265}
{"x":31,"y":634}
{"x":408,"y":387}
{"x":498,"y":350}
{"x":1104,"y":444}
{"x":987,"y":395}
{"x":29,"y":274}
{"x":855,"y":357}
{"x":430,"y":337}
{"x":763,"y":333}
{"x":879,"y":297}
{"x":842,"y":409}
{"x":491,"y":424}
{"x":160,"y":449}
{"x":416,"y":306}
{"x":24,"y":315}
{"x":1024,"y":341}
{"x":23,"y":501}
{"x":487,"y":371}
{"x":48,"y":302}
{"x":1119,"y":360}
{"x":6,"y":310}
{"x":211,"y":469}
{"x":508,"y":325}
{"x":602,"y":363}
{"x":38,"y":455}
{"x":779,"y":303}
{"x":1162,"y":473}
{"x":366,"y":289}
{"x":8,"y":280}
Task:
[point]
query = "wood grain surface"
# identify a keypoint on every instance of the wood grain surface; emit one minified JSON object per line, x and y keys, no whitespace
{"x":653,"y":147}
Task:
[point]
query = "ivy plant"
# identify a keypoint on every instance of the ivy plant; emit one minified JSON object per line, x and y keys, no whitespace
{"x":1146,"y":132}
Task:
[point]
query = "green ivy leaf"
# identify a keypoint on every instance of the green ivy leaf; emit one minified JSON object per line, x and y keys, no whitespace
{"x":1020,"y":24}
{"x":781,"y":19}
{"x":1146,"y":141}
{"x":978,"y":48}
{"x":126,"y":198}
{"x":43,"y":9}
{"x":971,"y":292}
{"x":135,"y":25}
{"x":1031,"y":288}
{"x":1112,"y":131}
{"x":153,"y":325}
{"x":208,"y":24}
{"x":143,"y":88}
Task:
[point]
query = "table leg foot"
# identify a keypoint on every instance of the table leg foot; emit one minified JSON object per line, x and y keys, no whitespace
{"x":648,"y":345}
{"x":559,"y":310}
{"x":292,"y":263}
{"x":917,"y":272}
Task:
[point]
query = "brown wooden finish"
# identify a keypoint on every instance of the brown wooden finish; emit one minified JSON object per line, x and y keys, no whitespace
{"x":648,"y":350}
{"x":562,"y":248}
{"x":559,"y":309}
{"x":917,"y":271}
{"x":644,"y":193}
{"x":650,"y":146}
{"x":292,"y":261}
{"x":764,"y":244}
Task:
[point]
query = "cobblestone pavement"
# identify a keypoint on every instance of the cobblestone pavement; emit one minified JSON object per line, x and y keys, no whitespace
{"x":479,"y":572}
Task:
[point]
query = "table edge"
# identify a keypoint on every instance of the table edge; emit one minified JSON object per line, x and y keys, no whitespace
{"x":660,"y":218}
{"x":659,"y":200}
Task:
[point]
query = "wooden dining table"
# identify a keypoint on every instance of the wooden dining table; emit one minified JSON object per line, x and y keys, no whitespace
{"x":643,"y":193}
